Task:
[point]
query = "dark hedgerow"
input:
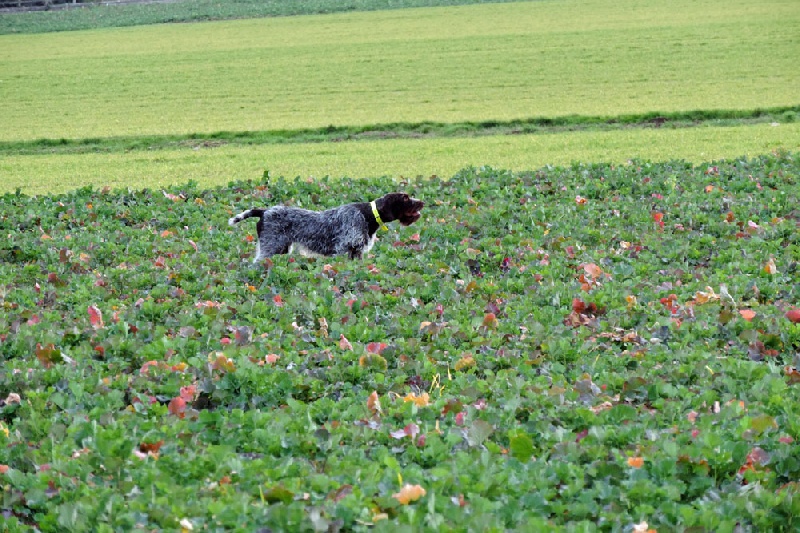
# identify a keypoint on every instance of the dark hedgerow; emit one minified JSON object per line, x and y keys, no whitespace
{"x":32,"y":16}
{"x":592,"y":347}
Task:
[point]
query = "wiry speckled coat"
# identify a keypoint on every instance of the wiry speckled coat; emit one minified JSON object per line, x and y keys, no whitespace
{"x":349,"y":229}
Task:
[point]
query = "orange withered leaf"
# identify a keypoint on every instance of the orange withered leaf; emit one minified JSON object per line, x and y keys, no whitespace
{"x":222,"y":362}
{"x":173,"y":197}
{"x":747,"y":314}
{"x":376,"y":347}
{"x":658,"y":218}
{"x":48,"y":354}
{"x":150,"y":447}
{"x":793,"y":316}
{"x":636,"y":462}
{"x":792,"y":373}
{"x":466,"y":361}
{"x":709,"y":295}
{"x":593,"y":270}
{"x":422,"y":400}
{"x":177,"y":407}
{"x":409,"y":493}
{"x":188,"y":393}
{"x":756,"y":458}
{"x":145,"y":369}
{"x":374,"y":404}
{"x":95,"y":317}
{"x":344,"y":344}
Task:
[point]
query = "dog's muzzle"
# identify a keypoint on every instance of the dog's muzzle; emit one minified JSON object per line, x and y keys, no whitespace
{"x":412,"y":214}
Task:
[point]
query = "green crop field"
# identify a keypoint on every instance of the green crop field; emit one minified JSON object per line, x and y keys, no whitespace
{"x":582,"y":348}
{"x":449,"y":64}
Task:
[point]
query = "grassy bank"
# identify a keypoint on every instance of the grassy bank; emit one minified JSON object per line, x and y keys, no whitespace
{"x":211,"y":164}
{"x":426,"y":130}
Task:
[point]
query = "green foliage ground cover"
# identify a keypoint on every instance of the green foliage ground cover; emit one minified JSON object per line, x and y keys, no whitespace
{"x":492,"y":62}
{"x":600,"y":346}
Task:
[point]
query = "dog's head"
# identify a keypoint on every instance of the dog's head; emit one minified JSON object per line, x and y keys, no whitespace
{"x":399,"y":206}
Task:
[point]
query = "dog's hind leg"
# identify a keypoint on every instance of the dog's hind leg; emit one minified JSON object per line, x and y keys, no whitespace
{"x":269,"y":246}
{"x":271,"y":238}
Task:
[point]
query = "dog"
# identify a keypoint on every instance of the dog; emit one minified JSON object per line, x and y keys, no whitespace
{"x":349,"y":229}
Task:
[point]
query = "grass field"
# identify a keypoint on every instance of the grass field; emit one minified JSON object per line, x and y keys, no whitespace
{"x":450,"y":64}
{"x":210,"y":166}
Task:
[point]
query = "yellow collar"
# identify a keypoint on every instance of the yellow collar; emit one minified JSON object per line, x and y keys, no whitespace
{"x":377,"y":216}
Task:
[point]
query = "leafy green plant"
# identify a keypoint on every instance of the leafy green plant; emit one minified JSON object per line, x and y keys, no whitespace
{"x":582,"y":347}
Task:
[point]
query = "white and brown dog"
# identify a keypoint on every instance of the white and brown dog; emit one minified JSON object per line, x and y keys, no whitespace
{"x":349,"y":229}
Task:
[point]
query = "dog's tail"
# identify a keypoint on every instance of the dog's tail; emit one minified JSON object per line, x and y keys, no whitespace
{"x":245,"y":214}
